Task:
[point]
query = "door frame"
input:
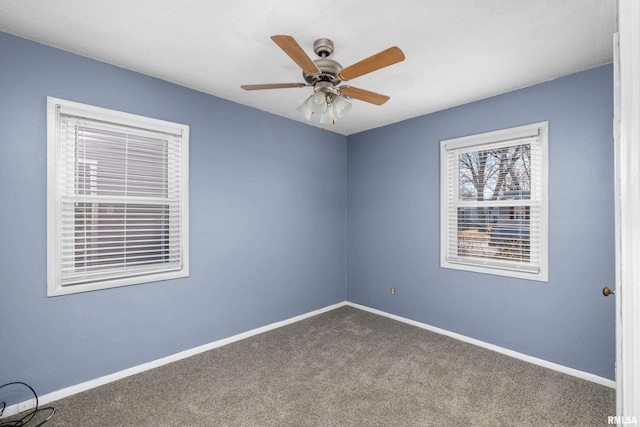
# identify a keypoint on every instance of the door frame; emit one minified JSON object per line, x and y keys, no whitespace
{"x":627,"y":155}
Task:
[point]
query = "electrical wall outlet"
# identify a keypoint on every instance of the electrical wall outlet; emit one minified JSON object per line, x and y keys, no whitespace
{"x":393,"y":291}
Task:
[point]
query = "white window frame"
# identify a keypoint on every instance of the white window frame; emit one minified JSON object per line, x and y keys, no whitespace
{"x":56,"y":192}
{"x":449,"y":204}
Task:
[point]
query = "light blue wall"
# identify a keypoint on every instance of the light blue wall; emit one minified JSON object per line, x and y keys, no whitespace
{"x":267,"y":218}
{"x":394,"y":218}
{"x":269,"y":208}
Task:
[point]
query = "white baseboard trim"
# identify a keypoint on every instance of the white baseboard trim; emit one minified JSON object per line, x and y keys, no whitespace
{"x":541,"y":362}
{"x":87,"y":385}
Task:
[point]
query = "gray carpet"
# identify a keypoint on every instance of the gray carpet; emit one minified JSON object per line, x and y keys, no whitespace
{"x":346,"y":367}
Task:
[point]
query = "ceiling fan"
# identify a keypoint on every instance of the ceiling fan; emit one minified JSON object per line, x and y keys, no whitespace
{"x":325,"y":75}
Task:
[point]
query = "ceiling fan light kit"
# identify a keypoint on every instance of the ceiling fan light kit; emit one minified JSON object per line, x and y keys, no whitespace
{"x":325,"y":75}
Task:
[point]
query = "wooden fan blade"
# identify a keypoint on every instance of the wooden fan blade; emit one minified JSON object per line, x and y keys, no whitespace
{"x":272,"y":86}
{"x":293,"y":49}
{"x":363,"y":95}
{"x":372,"y":63}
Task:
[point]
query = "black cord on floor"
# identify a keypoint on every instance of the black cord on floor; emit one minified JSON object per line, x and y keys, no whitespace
{"x":22,"y":422}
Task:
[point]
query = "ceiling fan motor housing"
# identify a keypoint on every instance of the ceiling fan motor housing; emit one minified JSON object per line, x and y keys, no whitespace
{"x":323,"y":47}
{"x":329,"y":68}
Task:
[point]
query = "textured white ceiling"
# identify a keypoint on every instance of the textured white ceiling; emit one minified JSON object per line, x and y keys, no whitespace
{"x":456,"y":51}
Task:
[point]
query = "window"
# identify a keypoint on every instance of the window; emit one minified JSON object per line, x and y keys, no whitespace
{"x":117,"y":198}
{"x":494,"y":202}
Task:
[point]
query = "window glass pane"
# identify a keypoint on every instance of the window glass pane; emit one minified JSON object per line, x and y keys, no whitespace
{"x":109,"y":235}
{"x":497,"y":174}
{"x":510,"y":233}
{"x":117,"y":164}
{"x":500,"y":233}
{"x":494,"y":173}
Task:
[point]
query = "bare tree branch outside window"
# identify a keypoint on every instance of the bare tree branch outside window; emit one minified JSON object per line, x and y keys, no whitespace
{"x":491,"y":230}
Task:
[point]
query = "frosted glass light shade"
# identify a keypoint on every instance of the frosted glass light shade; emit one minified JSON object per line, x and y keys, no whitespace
{"x":304,"y":108}
{"x":318,"y":102}
{"x":341,"y":106}
{"x":327,"y":116}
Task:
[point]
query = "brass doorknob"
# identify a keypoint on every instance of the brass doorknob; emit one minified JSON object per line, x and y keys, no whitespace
{"x":606,"y":291}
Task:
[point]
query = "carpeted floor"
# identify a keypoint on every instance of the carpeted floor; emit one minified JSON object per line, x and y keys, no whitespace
{"x":346,"y":367}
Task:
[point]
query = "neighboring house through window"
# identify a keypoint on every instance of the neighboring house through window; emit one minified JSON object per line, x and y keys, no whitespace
{"x":117,"y":198}
{"x":494,"y":202}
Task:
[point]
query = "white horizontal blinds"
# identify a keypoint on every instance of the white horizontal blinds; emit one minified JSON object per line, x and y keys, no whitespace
{"x":120,"y":201}
{"x":494,"y":204}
